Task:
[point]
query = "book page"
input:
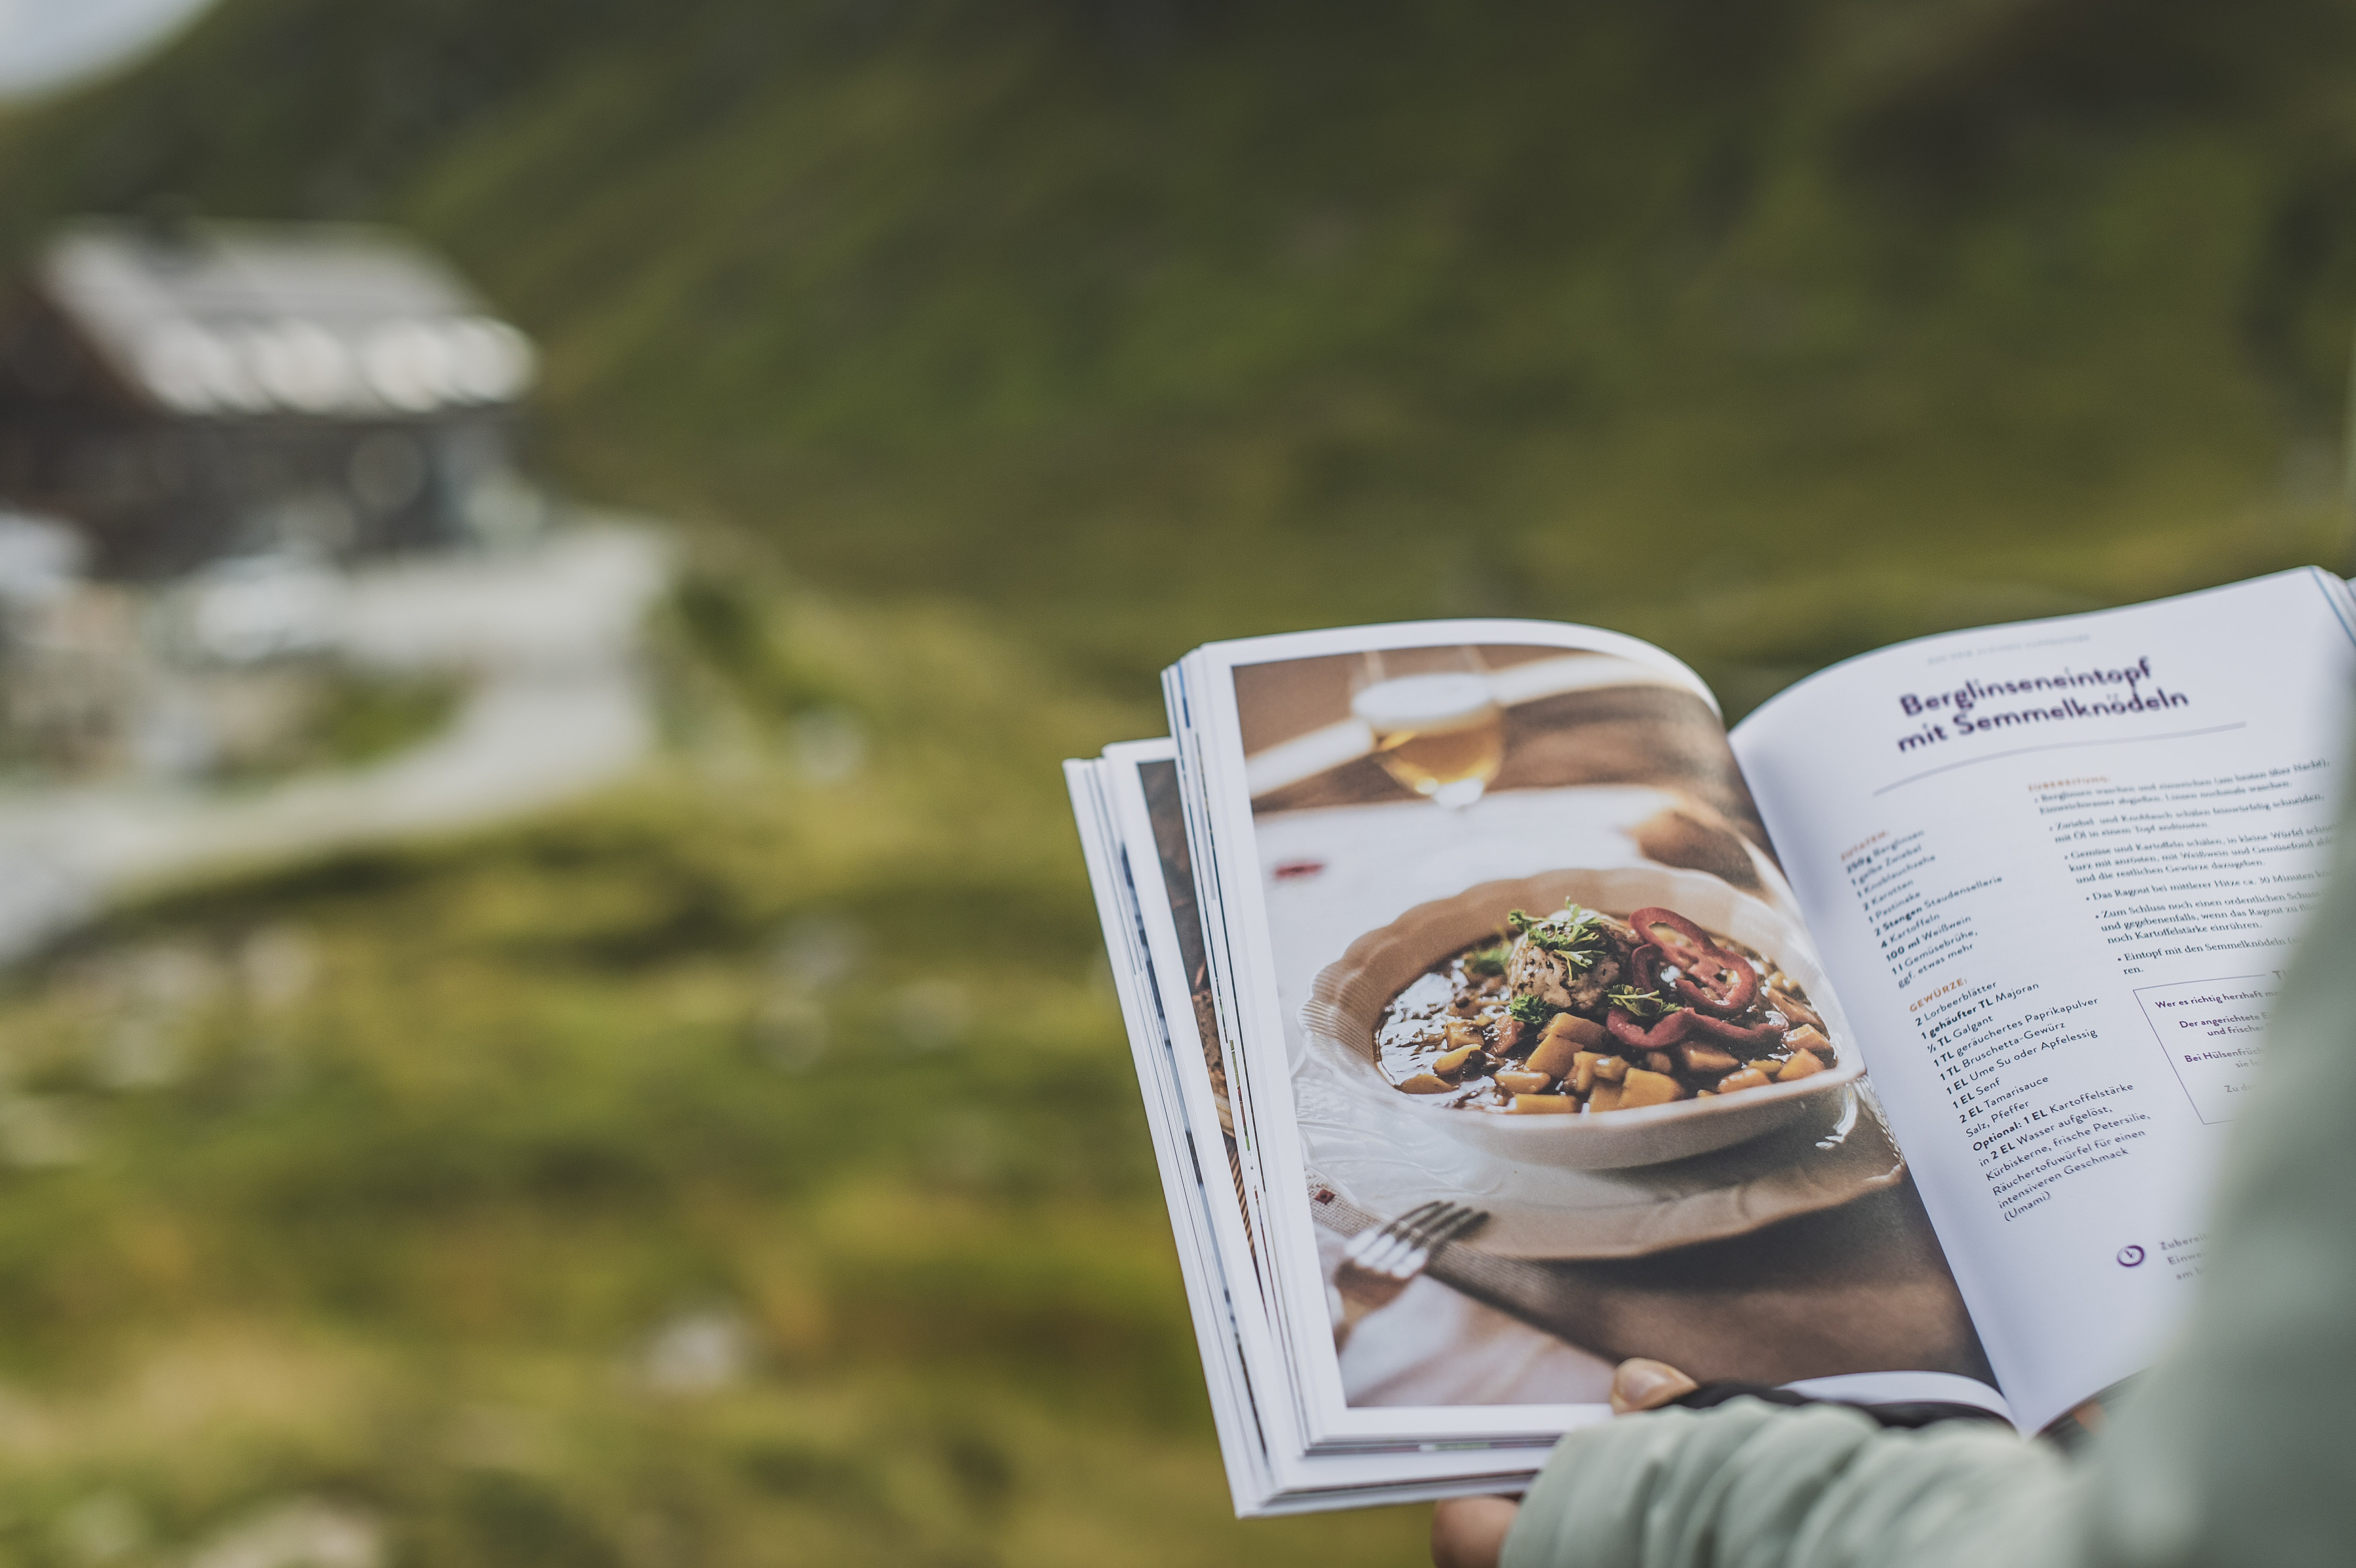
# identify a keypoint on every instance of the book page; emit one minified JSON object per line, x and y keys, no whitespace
{"x":2056,"y":870}
{"x":1429,"y":843}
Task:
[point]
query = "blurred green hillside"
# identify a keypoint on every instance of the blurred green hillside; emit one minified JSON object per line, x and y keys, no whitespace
{"x":743,"y":1168}
{"x":1771,"y":330}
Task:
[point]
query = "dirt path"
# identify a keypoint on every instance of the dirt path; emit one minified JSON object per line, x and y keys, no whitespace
{"x":558,"y":706}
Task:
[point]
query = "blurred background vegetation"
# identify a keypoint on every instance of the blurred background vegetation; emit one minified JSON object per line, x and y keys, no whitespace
{"x":745,"y":1167}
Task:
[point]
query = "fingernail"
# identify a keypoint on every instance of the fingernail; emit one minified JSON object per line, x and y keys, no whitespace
{"x":1641,"y":1384}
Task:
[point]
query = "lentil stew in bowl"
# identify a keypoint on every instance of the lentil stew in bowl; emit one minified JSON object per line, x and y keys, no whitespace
{"x":1581,"y":1013}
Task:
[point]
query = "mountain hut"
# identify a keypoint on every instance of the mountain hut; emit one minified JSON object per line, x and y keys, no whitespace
{"x":190,"y":392}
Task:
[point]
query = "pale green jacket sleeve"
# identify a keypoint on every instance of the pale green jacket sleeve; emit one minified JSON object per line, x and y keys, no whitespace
{"x":2239,"y":1448}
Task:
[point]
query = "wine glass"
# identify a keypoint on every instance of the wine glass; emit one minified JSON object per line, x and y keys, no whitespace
{"x":1436,"y":726}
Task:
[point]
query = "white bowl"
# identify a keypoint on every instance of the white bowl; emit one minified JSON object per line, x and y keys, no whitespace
{"x":1350,"y":994}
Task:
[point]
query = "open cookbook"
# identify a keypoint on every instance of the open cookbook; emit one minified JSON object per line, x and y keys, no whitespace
{"x":1501,"y":1015}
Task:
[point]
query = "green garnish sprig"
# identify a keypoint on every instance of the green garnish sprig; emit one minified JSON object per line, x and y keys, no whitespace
{"x":1488,"y":961}
{"x":1644,"y":1005}
{"x":1575,"y":935}
{"x":1532,"y":1011}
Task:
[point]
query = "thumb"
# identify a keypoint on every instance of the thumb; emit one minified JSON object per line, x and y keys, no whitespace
{"x":1642,"y":1384}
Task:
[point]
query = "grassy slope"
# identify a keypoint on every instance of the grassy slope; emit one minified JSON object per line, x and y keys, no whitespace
{"x":1150,"y":320}
{"x":1039,"y":342}
{"x":402,"y":1238}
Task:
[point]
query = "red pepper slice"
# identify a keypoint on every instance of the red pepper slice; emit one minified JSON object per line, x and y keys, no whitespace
{"x":1644,"y":966}
{"x":1749,"y":1038}
{"x":1719,"y":982}
{"x":1669,"y":1029}
{"x":1686,"y":941}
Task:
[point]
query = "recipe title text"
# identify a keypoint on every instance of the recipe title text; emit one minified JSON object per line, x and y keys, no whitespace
{"x":2061,"y":697}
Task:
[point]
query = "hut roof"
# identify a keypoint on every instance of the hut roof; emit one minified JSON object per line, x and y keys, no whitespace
{"x":238,"y":320}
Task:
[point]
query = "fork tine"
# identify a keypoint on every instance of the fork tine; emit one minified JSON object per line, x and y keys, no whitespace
{"x":1413,"y":1236}
{"x":1398,"y":1237}
{"x":1434,"y":1227}
{"x":1466,"y":1219}
{"x":1436,"y":1230}
{"x":1446,"y":1229}
{"x":1380,"y":1258}
{"x":1374,"y":1238}
{"x":1446,"y":1222}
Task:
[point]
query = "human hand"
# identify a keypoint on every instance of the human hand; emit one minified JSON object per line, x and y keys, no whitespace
{"x":1470,"y":1533}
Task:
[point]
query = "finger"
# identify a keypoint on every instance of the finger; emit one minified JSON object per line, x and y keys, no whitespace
{"x":1638,"y":1384}
{"x":1468,"y":1533}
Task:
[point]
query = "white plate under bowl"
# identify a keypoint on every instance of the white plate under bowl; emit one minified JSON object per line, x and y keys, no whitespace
{"x":1350,"y":994}
{"x":1822,"y":1160}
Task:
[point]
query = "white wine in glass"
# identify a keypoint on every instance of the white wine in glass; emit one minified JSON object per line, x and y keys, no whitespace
{"x":1436,"y":726}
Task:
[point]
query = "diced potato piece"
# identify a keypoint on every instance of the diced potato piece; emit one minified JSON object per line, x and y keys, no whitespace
{"x":1509,"y":1034}
{"x":1700,"y":1057}
{"x":1462,"y":1033}
{"x":1559,"y":1045}
{"x":1749,"y":1078}
{"x":1780,"y":998}
{"x":1452,"y":1065}
{"x":1645,"y":1088}
{"x":1659,"y":1061}
{"x":1582,"y":1071}
{"x":1802,"y":1064}
{"x":1544,"y":1106}
{"x":1605,"y":1098}
{"x":1766,"y":1064}
{"x":1426,"y":1083}
{"x":1704,"y":1094}
{"x":1552,"y":1057}
{"x":1522,"y":1083}
{"x":1611,"y":1068}
{"x":1586,"y":1033}
{"x":1804,"y":1038}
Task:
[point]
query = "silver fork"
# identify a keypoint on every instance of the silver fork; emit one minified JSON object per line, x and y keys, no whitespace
{"x":1381,"y":1262}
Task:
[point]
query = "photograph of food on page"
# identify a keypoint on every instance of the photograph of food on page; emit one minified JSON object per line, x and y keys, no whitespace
{"x":1570,"y":1082}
